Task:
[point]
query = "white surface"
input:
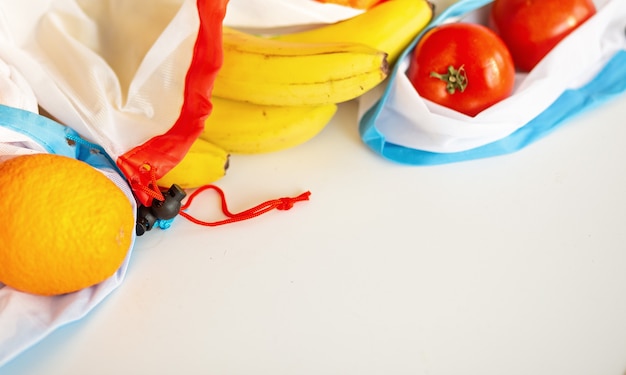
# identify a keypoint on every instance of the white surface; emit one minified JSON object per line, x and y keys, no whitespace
{"x":510,"y":265}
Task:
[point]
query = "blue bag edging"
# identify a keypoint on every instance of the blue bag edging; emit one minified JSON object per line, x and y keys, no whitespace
{"x":54,"y":137}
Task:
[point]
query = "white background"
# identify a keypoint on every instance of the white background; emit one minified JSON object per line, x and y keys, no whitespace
{"x":509,"y":265}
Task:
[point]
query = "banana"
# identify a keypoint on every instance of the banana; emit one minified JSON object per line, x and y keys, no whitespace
{"x":247,"y":128}
{"x":389,"y":26}
{"x":203,"y":164}
{"x":272,"y":72}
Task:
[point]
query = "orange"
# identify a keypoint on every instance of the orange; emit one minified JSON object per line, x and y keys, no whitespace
{"x":65,"y":227}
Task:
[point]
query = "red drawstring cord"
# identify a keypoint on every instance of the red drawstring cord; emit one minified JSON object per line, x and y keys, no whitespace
{"x":279,"y":204}
{"x":153,"y":191}
{"x":167,"y":211}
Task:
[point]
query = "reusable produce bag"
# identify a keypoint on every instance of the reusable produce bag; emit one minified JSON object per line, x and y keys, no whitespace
{"x":585,"y":69}
{"x":26,"y":318}
{"x":128,"y":83}
{"x":133,"y":76}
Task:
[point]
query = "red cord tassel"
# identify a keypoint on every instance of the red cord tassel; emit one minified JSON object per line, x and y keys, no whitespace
{"x":278,"y":204}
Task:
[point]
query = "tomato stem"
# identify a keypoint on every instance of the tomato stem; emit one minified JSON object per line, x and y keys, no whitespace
{"x":455,"y":79}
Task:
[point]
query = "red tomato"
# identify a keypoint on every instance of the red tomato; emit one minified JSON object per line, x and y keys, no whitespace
{"x":463,"y":66}
{"x":531,"y":28}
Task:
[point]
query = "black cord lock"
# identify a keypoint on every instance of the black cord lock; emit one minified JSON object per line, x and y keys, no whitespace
{"x":164,"y":210}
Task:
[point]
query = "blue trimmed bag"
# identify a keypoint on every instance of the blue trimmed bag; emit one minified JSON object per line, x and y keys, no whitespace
{"x":25,"y":318}
{"x":401,"y":126}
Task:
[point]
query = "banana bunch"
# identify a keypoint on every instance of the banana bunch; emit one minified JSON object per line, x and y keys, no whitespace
{"x":273,"y":93}
{"x":276,"y":92}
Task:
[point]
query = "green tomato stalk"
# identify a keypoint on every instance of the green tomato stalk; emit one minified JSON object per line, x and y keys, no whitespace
{"x":455,"y":79}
